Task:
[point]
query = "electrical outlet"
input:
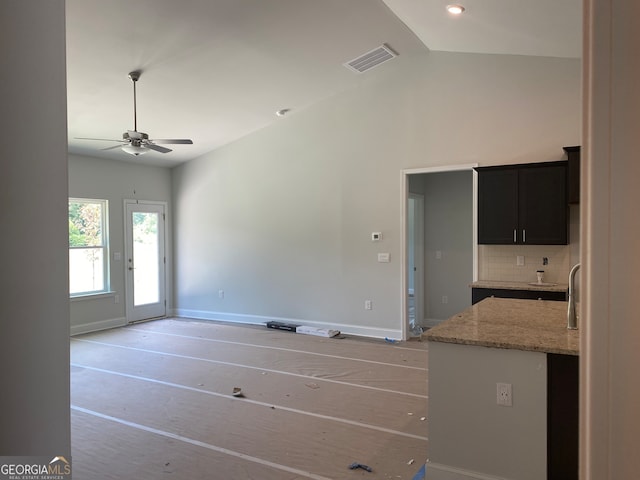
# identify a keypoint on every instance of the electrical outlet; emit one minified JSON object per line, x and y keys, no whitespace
{"x":368,"y":305}
{"x":520,"y":260}
{"x":220,"y":293}
{"x":445,"y":299}
{"x":116,"y":299}
{"x":504,"y":393}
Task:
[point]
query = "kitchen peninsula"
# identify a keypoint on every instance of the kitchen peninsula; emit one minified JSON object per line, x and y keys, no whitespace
{"x":525,"y":345}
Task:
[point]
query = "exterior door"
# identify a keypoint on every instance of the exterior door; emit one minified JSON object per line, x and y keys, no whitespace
{"x":145,"y":260}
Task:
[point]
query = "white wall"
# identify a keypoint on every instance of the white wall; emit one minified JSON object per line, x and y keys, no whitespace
{"x":116,"y":181}
{"x":34,"y":306}
{"x":281,"y":220}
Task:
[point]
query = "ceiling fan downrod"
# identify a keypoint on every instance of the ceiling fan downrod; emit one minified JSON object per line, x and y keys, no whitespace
{"x":134,"y":76}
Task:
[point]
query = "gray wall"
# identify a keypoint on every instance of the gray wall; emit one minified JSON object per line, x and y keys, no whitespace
{"x":116,"y":181}
{"x":281,"y":220}
{"x":448,"y":229}
{"x":471,"y":437}
{"x":34,"y":308}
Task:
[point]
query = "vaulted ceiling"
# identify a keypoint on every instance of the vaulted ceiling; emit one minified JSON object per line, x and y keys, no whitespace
{"x":217,"y":70}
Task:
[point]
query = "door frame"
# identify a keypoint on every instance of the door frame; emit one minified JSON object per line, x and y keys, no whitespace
{"x":404,"y":191}
{"x":418,"y":257}
{"x":128,"y":288}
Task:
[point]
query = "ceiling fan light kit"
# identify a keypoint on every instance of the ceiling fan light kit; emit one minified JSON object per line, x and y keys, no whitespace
{"x":134,"y":149}
{"x":138,"y":143}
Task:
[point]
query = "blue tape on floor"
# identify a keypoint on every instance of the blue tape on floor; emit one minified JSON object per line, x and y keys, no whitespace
{"x":421,"y":473}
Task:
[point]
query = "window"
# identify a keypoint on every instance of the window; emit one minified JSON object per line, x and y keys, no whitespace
{"x":88,"y":247}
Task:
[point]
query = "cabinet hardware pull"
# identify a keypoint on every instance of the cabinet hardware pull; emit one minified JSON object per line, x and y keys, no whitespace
{"x":515,"y":238}
{"x":524,"y":236}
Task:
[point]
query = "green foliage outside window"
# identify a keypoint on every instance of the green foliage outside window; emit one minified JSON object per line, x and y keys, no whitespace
{"x":85,"y":224}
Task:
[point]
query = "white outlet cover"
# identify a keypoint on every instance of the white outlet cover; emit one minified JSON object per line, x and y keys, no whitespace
{"x":504,"y":394}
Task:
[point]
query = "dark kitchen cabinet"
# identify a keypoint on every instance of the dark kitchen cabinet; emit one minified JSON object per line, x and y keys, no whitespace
{"x":479,"y":294}
{"x":573,"y":174}
{"x":563,"y":417}
{"x":523,"y":204}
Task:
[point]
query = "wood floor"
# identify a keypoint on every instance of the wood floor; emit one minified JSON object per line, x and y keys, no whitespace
{"x":154,"y":401}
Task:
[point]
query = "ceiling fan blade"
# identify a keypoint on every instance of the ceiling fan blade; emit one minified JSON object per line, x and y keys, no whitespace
{"x":111,"y":148}
{"x":173,"y":141}
{"x":157,"y":148}
{"x":99,"y":139}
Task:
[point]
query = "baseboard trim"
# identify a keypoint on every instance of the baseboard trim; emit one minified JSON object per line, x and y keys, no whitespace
{"x":438,"y":471}
{"x":99,"y":325}
{"x":358,"y":330}
{"x":431,"y":322}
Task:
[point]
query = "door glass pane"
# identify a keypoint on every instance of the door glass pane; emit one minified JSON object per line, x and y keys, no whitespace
{"x":146,"y":284}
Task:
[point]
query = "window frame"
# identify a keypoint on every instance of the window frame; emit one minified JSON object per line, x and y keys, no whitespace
{"x":104,"y":247}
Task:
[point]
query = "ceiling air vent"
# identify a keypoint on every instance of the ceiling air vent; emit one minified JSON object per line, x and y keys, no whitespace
{"x":371,"y":59}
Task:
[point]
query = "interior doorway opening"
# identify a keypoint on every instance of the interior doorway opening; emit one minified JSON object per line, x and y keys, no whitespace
{"x":440,"y":244}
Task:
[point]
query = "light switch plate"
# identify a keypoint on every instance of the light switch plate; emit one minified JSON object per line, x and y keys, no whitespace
{"x":383,"y":257}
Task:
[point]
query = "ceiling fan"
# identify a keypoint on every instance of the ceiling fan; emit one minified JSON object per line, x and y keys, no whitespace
{"x":137,"y":143}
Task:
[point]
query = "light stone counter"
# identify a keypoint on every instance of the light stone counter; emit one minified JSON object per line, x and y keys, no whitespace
{"x":531,"y":325}
{"x":548,"y":287}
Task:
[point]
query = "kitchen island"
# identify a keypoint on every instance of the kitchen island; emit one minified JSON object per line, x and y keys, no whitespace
{"x":525,"y":345}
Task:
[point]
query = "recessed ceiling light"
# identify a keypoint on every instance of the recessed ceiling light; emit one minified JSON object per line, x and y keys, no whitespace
{"x":455,"y":9}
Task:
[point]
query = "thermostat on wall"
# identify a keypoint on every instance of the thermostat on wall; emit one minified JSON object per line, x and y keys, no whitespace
{"x":376,"y":236}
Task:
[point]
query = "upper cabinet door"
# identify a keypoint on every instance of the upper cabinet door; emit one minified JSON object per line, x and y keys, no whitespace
{"x":523,"y":204}
{"x":497,"y":206}
{"x":543,"y":205}
{"x":573,"y":174}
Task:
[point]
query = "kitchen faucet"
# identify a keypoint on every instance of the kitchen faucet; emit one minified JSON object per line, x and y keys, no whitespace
{"x":572,"y":315}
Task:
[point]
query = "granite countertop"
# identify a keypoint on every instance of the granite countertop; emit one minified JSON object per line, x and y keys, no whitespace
{"x":533,"y":325}
{"x":546,"y":287}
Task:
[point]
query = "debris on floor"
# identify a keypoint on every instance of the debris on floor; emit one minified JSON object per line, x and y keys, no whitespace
{"x":314,"y":386}
{"x":319,"y":332}
{"x":355,"y":465}
{"x":289,"y":327}
{"x":237,"y":392}
{"x":307,"y":330}
{"x":390,"y":340}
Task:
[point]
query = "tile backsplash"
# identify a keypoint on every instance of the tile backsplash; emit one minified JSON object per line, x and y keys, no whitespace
{"x":498,"y":262}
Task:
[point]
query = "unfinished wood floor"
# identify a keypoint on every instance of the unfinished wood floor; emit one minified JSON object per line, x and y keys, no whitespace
{"x":154,"y":400}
